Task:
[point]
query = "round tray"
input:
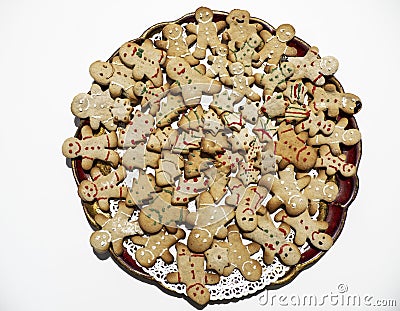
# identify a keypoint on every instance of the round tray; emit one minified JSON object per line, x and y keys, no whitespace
{"x":334,"y":213}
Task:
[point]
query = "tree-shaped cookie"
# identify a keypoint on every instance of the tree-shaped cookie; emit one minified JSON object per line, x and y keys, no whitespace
{"x":311,"y":67}
{"x":307,"y":228}
{"x":320,"y":189}
{"x":170,"y":109}
{"x":338,"y":136}
{"x":264,"y":129}
{"x":136,"y":131}
{"x":176,"y":44}
{"x":114,"y":230}
{"x":206,"y":31}
{"x":161,"y":212}
{"x":160,"y":139}
{"x":104,"y":187}
{"x":293,"y":148}
{"x":191,"y":272}
{"x":95,"y":106}
{"x":276,"y":45}
{"x":139,"y":157}
{"x":334,"y":164}
{"x":156,"y":246}
{"x":273,"y":242}
{"x":327,"y":98}
{"x":145,"y":60}
{"x":208,"y":222}
{"x":91,"y":148}
{"x":187,"y":189}
{"x":143,"y":188}
{"x":286,"y":190}
{"x":192,"y":120}
{"x":196,"y":163}
{"x":116,"y":76}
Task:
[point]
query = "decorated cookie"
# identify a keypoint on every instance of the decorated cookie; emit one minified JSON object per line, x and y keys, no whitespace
{"x":241,"y":84}
{"x":104,"y":187}
{"x":191,"y":272}
{"x":328,"y":99}
{"x":273,"y":242}
{"x":246,"y":210}
{"x":96,"y":107}
{"x":316,"y":123}
{"x":239,"y":27}
{"x":139,"y":157}
{"x":320,"y":189}
{"x":338,"y":136}
{"x":206,"y":31}
{"x":276,"y":45}
{"x":307,"y":229}
{"x":116,"y":76}
{"x":287,"y":191}
{"x":275,"y":79}
{"x":176,"y":44}
{"x":143,"y":188}
{"x":314,"y":68}
{"x":223,"y":102}
{"x":293,"y":148}
{"x":160,"y":212}
{"x":160,"y":139}
{"x":245,"y":53}
{"x":208,"y":222}
{"x":156,"y":246}
{"x":114,"y":230}
{"x":219,"y":63}
{"x":238,"y":256}
{"x":191,"y":82}
{"x":91,"y":148}
{"x":187,"y":189}
{"x":334,"y":164}
{"x":274,"y":105}
{"x":170,"y":110}
{"x":137,"y":131}
{"x":121,"y":110}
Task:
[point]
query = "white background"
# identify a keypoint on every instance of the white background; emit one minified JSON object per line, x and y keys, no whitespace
{"x":46,"y":48}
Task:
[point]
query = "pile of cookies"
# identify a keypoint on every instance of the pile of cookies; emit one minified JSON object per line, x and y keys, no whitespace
{"x":222,"y":139}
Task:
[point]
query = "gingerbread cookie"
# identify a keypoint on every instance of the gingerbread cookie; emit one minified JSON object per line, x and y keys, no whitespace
{"x":116,"y":76}
{"x":206,"y":31}
{"x":95,"y":106}
{"x":145,"y":60}
{"x":91,"y":148}
{"x":273,"y":242}
{"x":307,"y":228}
{"x":114,"y":230}
{"x":104,"y":187}
{"x":176,"y":44}
{"x":156,"y":246}
{"x":191,"y":272}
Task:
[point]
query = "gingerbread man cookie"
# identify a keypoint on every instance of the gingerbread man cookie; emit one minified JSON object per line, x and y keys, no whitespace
{"x":273,"y":242}
{"x":208,"y":222}
{"x":239,"y":27}
{"x":96,"y":107}
{"x":307,"y":228}
{"x":334,"y":164}
{"x":314,"y":68}
{"x":191,"y":272}
{"x":156,"y":246}
{"x":116,"y":76}
{"x":276,"y":45}
{"x":275,"y":78}
{"x":91,"y":148}
{"x":176,"y":44}
{"x":286,"y":190}
{"x":219,"y":63}
{"x":104,"y":187}
{"x":206,"y":31}
{"x":114,"y":230}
